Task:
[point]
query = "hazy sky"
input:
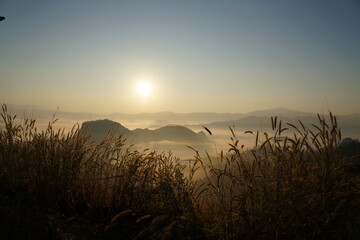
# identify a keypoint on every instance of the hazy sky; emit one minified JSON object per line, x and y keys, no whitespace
{"x":223,"y":56}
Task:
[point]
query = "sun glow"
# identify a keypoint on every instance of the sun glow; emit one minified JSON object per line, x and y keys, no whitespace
{"x":144,"y":89}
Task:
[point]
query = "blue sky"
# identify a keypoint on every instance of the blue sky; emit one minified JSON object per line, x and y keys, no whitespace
{"x":221,"y":56}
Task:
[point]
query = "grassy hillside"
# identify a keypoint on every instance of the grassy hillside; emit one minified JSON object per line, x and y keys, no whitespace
{"x":56,"y":185}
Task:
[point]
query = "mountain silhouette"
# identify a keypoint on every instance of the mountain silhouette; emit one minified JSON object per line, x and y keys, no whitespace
{"x":168,"y":133}
{"x":280,"y":112}
{"x":349,"y":125}
{"x":99,"y":129}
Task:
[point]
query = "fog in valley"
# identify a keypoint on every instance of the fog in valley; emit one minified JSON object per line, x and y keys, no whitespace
{"x":244,"y":125}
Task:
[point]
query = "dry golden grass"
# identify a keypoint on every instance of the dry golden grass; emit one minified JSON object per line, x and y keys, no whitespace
{"x":60,"y":185}
{"x":288,"y":187}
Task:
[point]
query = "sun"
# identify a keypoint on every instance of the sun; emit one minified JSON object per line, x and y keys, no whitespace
{"x":144,"y":89}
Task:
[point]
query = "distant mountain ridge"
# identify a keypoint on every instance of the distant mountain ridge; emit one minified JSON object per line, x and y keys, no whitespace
{"x":349,"y":124}
{"x":156,"y":120}
{"x":280,"y":112}
{"x":99,"y":129}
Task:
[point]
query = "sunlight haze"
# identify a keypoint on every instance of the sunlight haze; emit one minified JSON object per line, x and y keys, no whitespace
{"x":198,"y":56}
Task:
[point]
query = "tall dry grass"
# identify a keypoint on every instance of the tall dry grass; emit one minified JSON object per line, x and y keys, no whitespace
{"x":286,"y":187}
{"x":60,"y":185}
{"x":93,"y":189}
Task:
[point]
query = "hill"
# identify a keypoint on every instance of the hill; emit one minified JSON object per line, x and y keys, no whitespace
{"x":100,"y":128}
{"x":280,"y":112}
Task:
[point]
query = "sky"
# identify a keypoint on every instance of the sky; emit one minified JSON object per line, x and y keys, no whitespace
{"x":181,"y":56}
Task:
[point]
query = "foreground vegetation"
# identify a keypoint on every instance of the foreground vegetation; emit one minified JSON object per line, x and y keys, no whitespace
{"x":59,"y":185}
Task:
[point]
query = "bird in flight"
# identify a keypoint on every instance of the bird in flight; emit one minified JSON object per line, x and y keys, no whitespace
{"x":2,"y":18}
